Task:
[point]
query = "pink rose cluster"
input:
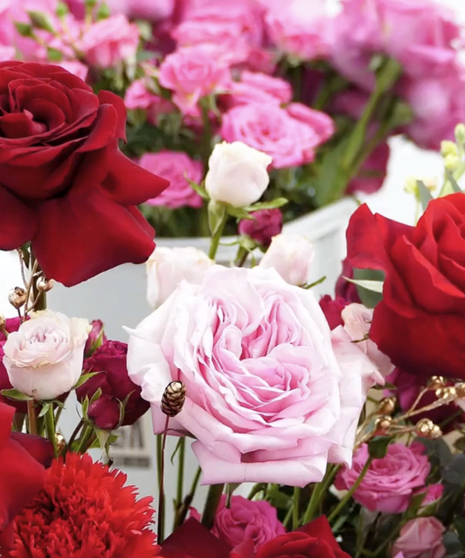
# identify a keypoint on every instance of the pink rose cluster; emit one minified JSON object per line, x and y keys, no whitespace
{"x":272,"y":393}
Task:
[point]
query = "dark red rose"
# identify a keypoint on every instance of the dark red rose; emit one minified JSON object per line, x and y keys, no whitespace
{"x":265,"y":224}
{"x":64,"y":184}
{"x":114,"y":381}
{"x":12,"y":324}
{"x":420,"y":323}
{"x":105,"y":412}
{"x":22,"y":466}
{"x":314,"y":540}
{"x":332,"y":310}
{"x":345,"y":289}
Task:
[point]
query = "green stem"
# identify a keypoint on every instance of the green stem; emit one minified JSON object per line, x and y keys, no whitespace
{"x":318,"y":491}
{"x":211,"y":505}
{"x":32,"y":418}
{"x":161,"y":496}
{"x":180,"y":488}
{"x":256,"y":489}
{"x":181,"y":513}
{"x":350,"y":492}
{"x":215,"y":240}
{"x":241,"y":258}
{"x":50,"y":427}
{"x":69,"y":445}
{"x":85,"y":438}
{"x":296,"y":508}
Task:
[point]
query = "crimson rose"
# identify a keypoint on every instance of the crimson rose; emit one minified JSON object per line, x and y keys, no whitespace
{"x":420,"y":322}
{"x":64,"y":184}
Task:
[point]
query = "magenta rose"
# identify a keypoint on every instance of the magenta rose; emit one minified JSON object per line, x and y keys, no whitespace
{"x":96,"y":337}
{"x":176,"y":167}
{"x":192,"y":73}
{"x":332,"y":309}
{"x":246,"y":520}
{"x":272,"y":393}
{"x":390,"y":481}
{"x":421,"y":538}
{"x":290,"y":136}
{"x":113,"y":380}
{"x":265,"y":224}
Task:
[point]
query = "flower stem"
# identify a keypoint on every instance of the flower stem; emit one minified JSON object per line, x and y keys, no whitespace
{"x":211,"y":505}
{"x":50,"y":427}
{"x":181,"y":513}
{"x":350,"y":492}
{"x":32,"y":418}
{"x":85,"y":438}
{"x":161,"y":483}
{"x":180,"y":488}
{"x":69,"y":445}
{"x":319,"y":490}
{"x":296,"y":508}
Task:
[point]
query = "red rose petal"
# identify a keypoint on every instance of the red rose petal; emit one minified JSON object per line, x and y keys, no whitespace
{"x":18,"y":222}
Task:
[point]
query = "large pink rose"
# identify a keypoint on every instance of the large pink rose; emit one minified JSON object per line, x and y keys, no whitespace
{"x":255,"y":87}
{"x":176,"y":167}
{"x":193,"y":73}
{"x":290,"y":136}
{"x":421,"y":538}
{"x":389,"y":482}
{"x":247,"y":520}
{"x":272,"y":394}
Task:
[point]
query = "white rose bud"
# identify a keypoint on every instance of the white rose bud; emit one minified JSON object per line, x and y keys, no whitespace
{"x":237,"y":174}
{"x":167,"y":267}
{"x":44,"y":357}
{"x":357,"y":322}
{"x":291,"y":255}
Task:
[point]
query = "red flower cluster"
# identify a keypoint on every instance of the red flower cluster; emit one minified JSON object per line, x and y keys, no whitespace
{"x":83,"y":511}
{"x":65,"y":185}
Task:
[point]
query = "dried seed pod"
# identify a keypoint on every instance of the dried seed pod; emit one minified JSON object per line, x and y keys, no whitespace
{"x":173,"y":398}
{"x":2,"y":322}
{"x":459,"y":388}
{"x":386,"y":406}
{"x":436,"y":382}
{"x":424,"y":427}
{"x":44,"y":285}
{"x":446,"y":393}
{"x":436,"y":432}
{"x":383,"y":423}
{"x":60,"y":442}
{"x":17,"y":297}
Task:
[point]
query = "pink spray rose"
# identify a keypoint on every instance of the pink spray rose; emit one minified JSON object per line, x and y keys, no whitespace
{"x":290,"y":136}
{"x":390,"y":481}
{"x":421,"y":538}
{"x":255,"y":87}
{"x":332,"y":309}
{"x":176,"y":167}
{"x":246,"y":520}
{"x":110,"y":41}
{"x":193,"y":73}
{"x":272,"y":395}
{"x":152,"y":10}
{"x":138,"y":96}
{"x":265,"y":224}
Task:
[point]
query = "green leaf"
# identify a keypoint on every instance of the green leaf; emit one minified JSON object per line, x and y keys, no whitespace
{"x":459,"y":524}
{"x":16,"y":395}
{"x":103,"y":11}
{"x":438,"y":451}
{"x":239,"y":212}
{"x":61,"y":10}
{"x":369,"y":298}
{"x":24,"y":29}
{"x":96,"y":395}
{"x":216,"y":215}
{"x":459,"y":444}
{"x":373,"y":286}
{"x":377,"y":447}
{"x":198,"y":188}
{"x":41,"y":20}
{"x":90,"y":4}
{"x":84,"y":377}
{"x":455,"y":187}
{"x":145,"y":31}
{"x":176,"y":449}
{"x":424,"y":194}
{"x":454,"y":471}
{"x":45,"y":409}
{"x":85,"y":407}
{"x":315,"y":283}
{"x":54,"y":55}
{"x":273,"y":204}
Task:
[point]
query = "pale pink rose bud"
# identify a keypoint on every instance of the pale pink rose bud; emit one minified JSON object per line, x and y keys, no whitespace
{"x":246,"y":520}
{"x":391,"y":481}
{"x":110,"y":41}
{"x":167,"y":267}
{"x":192,"y":73}
{"x":44,"y":357}
{"x":178,"y":168}
{"x":237,"y":174}
{"x":421,"y":538}
{"x":357,"y":322}
{"x":291,"y":255}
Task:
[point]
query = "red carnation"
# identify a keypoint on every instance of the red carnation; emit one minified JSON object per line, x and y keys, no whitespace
{"x":84,"y":511}
{"x":65,"y":186}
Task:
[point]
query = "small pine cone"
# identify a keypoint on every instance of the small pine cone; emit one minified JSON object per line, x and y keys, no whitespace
{"x":173,"y":398}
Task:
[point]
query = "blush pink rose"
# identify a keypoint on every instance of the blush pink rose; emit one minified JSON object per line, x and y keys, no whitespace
{"x":176,"y":167}
{"x":255,"y":87}
{"x":246,"y":520}
{"x":138,"y":96}
{"x":110,"y":41}
{"x":389,"y":482}
{"x":193,"y":73}
{"x":272,"y":394}
{"x":421,"y":538}
{"x":152,"y":10}
{"x":290,"y":136}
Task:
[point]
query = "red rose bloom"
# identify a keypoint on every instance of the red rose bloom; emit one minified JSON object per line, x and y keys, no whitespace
{"x":22,"y":461}
{"x":84,"y":511}
{"x":64,"y":184}
{"x":314,"y":540}
{"x":420,"y":322}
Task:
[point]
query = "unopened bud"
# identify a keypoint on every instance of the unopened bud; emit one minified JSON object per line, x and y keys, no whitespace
{"x":446,"y":393}
{"x":436,"y":432}
{"x":460,"y":389}
{"x":448,"y":148}
{"x":460,"y":133}
{"x":17,"y":297}
{"x":436,"y":382}
{"x":387,"y":406}
{"x":382,"y":424}
{"x":424,"y":427}
{"x":44,"y":285}
{"x":451,"y":162}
